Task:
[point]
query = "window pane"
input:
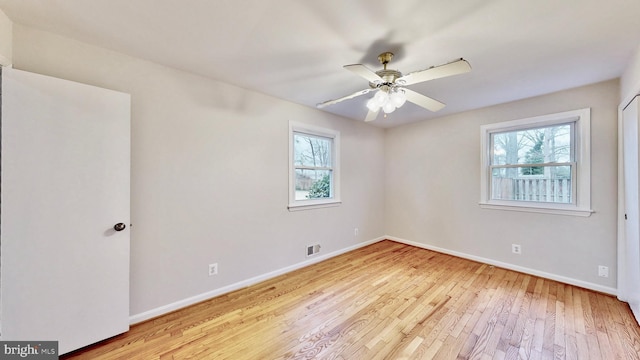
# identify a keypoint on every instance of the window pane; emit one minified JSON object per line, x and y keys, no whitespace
{"x":538,"y":183}
{"x":312,"y":150}
{"x":313,"y":184}
{"x":533,"y":146}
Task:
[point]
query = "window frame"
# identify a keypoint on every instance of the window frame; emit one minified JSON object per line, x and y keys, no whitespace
{"x":580,"y":164}
{"x":334,"y":135}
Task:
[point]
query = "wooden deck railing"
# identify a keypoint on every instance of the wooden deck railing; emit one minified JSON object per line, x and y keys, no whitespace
{"x":532,"y":189}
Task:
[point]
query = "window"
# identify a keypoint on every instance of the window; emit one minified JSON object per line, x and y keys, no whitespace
{"x":313,"y":167}
{"x":539,"y":164}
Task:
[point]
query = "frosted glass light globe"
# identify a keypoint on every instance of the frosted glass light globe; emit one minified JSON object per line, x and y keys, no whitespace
{"x":381,"y":98}
{"x":388,"y":107}
{"x":372,"y":105}
{"x":398,"y":98}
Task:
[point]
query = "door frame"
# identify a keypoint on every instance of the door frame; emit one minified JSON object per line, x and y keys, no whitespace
{"x":621,"y":228}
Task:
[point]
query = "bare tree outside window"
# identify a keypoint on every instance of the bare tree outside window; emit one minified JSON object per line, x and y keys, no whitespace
{"x":313,"y":166}
{"x":533,"y":164}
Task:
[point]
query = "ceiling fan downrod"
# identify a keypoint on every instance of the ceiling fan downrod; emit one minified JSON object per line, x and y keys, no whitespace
{"x":385,"y":58}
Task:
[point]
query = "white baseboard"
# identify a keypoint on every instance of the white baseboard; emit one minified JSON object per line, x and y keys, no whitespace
{"x":134,"y":319}
{"x":562,"y":279}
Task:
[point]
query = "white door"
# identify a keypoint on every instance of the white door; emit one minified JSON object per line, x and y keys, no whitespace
{"x":64,"y":185}
{"x":630,"y":275}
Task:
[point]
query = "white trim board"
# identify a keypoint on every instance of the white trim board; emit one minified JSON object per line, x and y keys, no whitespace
{"x":542,"y":274}
{"x":165,"y":309}
{"x":621,"y":238}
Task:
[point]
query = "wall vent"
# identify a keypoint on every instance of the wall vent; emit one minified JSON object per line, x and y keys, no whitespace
{"x":313,"y":249}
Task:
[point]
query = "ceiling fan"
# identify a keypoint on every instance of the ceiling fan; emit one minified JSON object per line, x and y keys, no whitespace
{"x":390,"y":85}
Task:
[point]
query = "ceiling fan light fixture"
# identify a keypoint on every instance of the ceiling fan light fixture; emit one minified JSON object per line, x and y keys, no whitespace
{"x":387,"y":99}
{"x":389,"y":85}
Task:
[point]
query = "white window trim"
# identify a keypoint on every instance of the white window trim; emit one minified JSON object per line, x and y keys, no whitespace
{"x":582,"y":205}
{"x":295,"y":205}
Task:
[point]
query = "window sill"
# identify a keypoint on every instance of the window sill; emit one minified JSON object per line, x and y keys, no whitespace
{"x":538,"y":208}
{"x":313,"y":205}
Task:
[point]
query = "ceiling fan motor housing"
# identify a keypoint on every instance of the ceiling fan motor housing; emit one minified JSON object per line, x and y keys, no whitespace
{"x":388,"y":76}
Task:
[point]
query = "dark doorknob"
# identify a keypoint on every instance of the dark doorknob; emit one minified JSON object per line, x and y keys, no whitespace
{"x":119,"y":227}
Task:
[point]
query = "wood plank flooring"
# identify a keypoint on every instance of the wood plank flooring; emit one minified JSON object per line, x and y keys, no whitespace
{"x":389,"y":301}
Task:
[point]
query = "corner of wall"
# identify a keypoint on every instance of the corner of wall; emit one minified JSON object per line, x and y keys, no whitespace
{"x":6,"y":39}
{"x":630,"y":79}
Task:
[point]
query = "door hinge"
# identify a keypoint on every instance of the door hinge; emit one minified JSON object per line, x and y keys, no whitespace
{"x":625,"y":216}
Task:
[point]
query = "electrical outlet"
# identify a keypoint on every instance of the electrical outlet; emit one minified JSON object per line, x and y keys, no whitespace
{"x":516,"y":249}
{"x":355,"y":232}
{"x":213,"y":269}
{"x":603,"y":271}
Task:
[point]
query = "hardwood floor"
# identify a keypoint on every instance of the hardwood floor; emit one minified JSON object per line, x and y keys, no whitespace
{"x":389,"y":301}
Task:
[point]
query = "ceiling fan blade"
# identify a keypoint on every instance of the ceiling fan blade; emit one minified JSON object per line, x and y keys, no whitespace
{"x":424,"y":101}
{"x":331,"y":102}
{"x":460,"y":66}
{"x":364,"y":72}
{"x":371,"y":115}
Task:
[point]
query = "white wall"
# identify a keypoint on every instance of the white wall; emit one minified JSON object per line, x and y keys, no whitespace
{"x":630,"y":79}
{"x":6,"y":39}
{"x":210,"y":173}
{"x":433,"y":190}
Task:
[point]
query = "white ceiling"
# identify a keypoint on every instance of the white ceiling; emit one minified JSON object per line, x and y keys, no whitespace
{"x":295,"y":49}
